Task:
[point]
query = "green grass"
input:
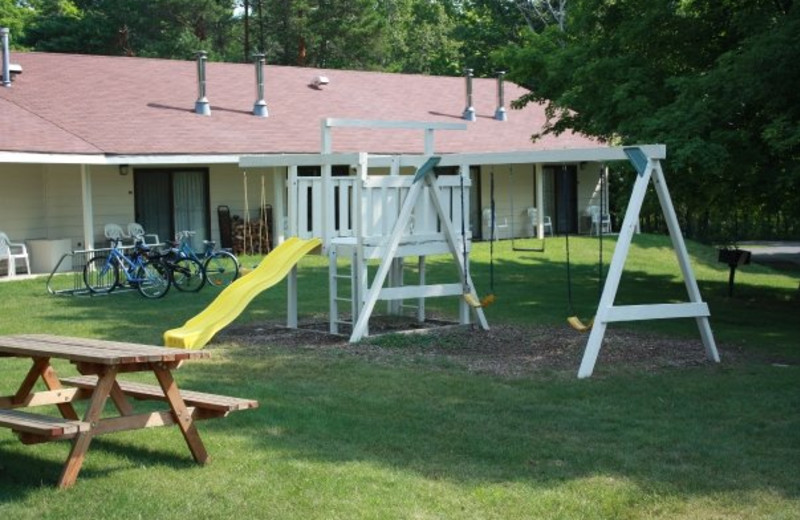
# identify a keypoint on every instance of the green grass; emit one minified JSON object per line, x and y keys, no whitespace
{"x":337,"y":436}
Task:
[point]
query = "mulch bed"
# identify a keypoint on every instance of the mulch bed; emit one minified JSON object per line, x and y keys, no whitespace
{"x":505,"y":350}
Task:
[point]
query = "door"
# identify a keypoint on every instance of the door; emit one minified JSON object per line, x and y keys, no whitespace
{"x":170,"y":200}
{"x":566,"y":195}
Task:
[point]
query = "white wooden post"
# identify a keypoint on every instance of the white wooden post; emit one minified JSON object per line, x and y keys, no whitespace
{"x":294,"y":201}
{"x":682,"y":254}
{"x":279,"y":210}
{"x":539,"y":179}
{"x":326,"y":208}
{"x":361,"y":273}
{"x":454,"y":244}
{"x":88,"y":212}
{"x":291,"y":298}
{"x":333,"y":291}
{"x":421,"y":299}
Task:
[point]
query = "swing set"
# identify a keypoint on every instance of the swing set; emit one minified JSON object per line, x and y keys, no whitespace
{"x":646,"y":160}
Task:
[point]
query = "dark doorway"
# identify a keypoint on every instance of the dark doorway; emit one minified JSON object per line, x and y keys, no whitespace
{"x":171,"y":200}
{"x":566,"y":192}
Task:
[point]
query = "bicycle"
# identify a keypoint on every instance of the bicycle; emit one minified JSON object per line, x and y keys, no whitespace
{"x":220,"y":267}
{"x":148,"y":275}
{"x":188,"y":274}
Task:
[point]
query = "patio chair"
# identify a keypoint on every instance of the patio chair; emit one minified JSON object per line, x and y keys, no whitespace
{"x":136,"y":231}
{"x":114,"y":232}
{"x":11,"y":252}
{"x":533,"y":219}
{"x":599,"y":222}
{"x":499,"y":223}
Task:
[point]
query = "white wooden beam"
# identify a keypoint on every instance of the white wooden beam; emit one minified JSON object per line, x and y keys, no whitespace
{"x":653,"y":312}
{"x":421,"y":291}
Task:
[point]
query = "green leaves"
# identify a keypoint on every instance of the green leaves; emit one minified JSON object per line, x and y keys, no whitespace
{"x":715,"y":81}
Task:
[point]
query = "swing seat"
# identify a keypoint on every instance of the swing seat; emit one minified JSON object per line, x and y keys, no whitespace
{"x":487,"y":300}
{"x":578,"y":325}
{"x":472,"y":301}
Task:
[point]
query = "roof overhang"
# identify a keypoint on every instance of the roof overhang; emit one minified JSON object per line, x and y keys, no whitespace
{"x":113,"y":160}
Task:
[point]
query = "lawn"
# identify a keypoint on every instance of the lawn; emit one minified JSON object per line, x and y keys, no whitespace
{"x":342,"y":436}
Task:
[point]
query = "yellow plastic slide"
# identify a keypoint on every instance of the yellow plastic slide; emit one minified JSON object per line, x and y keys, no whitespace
{"x":196,"y":332}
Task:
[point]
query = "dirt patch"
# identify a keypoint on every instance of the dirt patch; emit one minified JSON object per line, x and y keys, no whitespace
{"x":505,"y":350}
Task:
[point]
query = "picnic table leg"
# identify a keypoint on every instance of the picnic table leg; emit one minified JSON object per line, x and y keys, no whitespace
{"x":182,"y":415}
{"x":41,"y":368}
{"x":81,"y":442}
{"x":120,"y":401}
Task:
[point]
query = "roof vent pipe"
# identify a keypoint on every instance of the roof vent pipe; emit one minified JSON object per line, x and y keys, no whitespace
{"x":201,"y":106}
{"x":469,"y":112}
{"x":500,"y":113}
{"x":260,"y":106}
{"x":6,"y":58}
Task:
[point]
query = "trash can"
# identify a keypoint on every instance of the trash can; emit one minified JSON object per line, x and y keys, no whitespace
{"x":46,"y":252}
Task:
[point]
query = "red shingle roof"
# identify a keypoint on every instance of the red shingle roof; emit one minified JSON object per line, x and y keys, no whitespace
{"x":69,"y":104}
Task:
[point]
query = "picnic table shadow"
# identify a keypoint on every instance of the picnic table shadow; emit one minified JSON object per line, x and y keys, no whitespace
{"x":24,"y":468}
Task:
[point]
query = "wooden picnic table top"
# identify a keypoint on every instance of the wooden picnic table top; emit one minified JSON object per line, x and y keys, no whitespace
{"x":84,"y":350}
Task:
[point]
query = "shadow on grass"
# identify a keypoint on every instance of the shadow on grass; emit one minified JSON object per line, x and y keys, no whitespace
{"x":695,"y":432}
{"x":24,"y":468}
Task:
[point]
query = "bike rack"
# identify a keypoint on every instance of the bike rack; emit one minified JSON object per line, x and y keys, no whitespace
{"x":78,"y":261}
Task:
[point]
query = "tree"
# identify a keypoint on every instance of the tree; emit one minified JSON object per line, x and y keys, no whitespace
{"x":15,"y":15}
{"x":164,"y":28}
{"x":712,"y":79}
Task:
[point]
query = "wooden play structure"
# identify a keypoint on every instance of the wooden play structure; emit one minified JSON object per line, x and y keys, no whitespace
{"x":393,"y":207}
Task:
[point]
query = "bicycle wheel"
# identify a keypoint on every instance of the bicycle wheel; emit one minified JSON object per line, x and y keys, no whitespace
{"x":100,"y":276}
{"x":222,"y":268}
{"x":187,"y":275}
{"x":153,"y":279}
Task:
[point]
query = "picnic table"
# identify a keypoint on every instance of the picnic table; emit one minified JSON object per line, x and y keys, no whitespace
{"x":100,"y":362}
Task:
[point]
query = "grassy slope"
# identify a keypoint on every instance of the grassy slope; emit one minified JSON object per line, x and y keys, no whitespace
{"x":338,"y":437}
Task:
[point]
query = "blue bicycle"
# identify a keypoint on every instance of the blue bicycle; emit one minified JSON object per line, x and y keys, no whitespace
{"x":148,"y":275}
{"x":220,"y":267}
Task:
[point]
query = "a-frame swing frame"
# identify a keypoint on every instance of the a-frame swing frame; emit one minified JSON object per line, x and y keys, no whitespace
{"x":647,"y":162}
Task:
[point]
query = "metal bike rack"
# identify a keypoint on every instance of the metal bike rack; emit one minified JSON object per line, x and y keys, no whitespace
{"x":70,"y":282}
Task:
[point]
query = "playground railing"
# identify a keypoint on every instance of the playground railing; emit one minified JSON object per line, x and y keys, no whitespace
{"x":370,"y":209}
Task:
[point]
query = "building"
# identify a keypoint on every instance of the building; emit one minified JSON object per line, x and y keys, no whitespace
{"x":91,"y":140}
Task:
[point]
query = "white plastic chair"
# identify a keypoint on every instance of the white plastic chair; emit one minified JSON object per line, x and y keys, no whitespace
{"x":534,"y":221}
{"x":136,"y":231}
{"x":598,"y":222}
{"x":11,"y":252}
{"x":498,"y":225}
{"x":114,"y":232}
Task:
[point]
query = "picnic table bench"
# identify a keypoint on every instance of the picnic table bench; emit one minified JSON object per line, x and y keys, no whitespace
{"x":100,"y":362}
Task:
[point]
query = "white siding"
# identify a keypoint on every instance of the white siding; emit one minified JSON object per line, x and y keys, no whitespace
{"x":22,"y":208}
{"x":112,"y":198}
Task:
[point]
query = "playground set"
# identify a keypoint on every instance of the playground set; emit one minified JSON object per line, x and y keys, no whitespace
{"x":383,"y":214}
